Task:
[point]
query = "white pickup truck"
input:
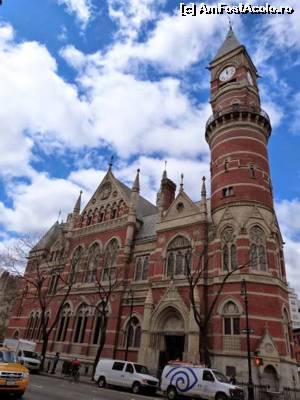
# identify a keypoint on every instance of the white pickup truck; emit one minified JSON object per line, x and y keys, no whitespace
{"x":25,"y":351}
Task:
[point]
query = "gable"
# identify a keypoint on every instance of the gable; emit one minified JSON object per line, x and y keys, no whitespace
{"x":181,"y":207}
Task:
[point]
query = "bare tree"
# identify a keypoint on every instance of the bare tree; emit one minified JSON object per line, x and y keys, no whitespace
{"x":104,"y":290}
{"x":44,"y":280}
{"x":203,"y":316}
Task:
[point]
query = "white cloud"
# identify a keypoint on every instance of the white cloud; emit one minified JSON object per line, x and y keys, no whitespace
{"x":81,"y":8}
{"x":288,"y":213}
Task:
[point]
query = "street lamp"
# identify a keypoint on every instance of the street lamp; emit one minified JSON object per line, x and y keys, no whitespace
{"x":129,"y":298}
{"x":250,"y":382}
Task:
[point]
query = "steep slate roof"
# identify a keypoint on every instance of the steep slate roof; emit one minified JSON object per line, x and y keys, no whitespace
{"x":148,"y":228}
{"x":231,"y":43}
{"x":49,"y":238}
{"x":144,"y":206}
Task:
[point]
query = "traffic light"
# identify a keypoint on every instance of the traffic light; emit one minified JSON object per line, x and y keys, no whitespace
{"x":258,"y":361}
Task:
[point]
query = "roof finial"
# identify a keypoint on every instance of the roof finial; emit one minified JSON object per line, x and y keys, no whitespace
{"x":230,"y":22}
{"x":111,"y":162}
{"x":181,"y":183}
{"x":136,"y":183}
{"x":165,"y":171}
{"x":203,"y":189}
{"x":59,"y":214}
{"x":78,"y":204}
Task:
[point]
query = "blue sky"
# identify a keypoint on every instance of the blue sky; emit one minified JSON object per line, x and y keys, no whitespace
{"x":81,"y":80}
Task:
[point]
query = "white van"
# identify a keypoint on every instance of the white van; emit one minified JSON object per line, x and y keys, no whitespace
{"x":125,"y":374}
{"x":25,"y":351}
{"x":198,"y":382}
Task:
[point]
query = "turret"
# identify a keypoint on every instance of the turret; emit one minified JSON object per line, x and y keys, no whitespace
{"x":166,"y":193}
{"x":238,"y":131}
{"x":132,"y":217}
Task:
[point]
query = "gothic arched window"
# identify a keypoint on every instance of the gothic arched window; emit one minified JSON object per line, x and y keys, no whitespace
{"x":77,"y":256}
{"x":110,"y":260}
{"x":92,"y":262}
{"x":258,"y":258}
{"x":63,"y":323}
{"x":133,"y":333}
{"x":141,"y":268}
{"x":29,"y":325}
{"x":228,"y":250}
{"x":80,"y":323}
{"x":231,"y":319}
{"x":178,"y":256}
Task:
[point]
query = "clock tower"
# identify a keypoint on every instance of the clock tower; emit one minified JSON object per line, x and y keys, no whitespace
{"x":244,"y":233}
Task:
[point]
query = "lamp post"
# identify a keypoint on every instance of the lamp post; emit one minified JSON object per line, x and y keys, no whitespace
{"x":250,"y":382}
{"x":129,"y":298}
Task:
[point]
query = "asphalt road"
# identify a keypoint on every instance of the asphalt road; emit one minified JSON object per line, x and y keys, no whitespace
{"x":50,"y":388}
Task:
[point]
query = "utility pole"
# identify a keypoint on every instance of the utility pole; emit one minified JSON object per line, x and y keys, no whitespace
{"x":250,"y":382}
{"x":129,"y":298}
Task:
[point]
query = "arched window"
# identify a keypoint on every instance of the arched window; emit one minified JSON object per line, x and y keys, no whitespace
{"x":77,"y":256}
{"x":29,"y":325}
{"x":80,"y":324}
{"x":133,"y":333}
{"x":89,"y":218}
{"x":178,"y":257}
{"x":141,"y":268}
{"x":63,"y":323}
{"x":286,"y":331}
{"x":99,"y":321}
{"x":92,"y":263}
{"x":53,"y":284}
{"x":229,"y":250}
{"x":114,"y":211}
{"x":110,"y":260}
{"x":231,"y":319}
{"x":258,"y":258}
{"x":101,"y":214}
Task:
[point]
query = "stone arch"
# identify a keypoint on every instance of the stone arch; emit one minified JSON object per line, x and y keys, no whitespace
{"x":170,"y":319}
{"x":184,"y":235}
{"x":228,"y":300}
{"x":110,"y":240}
{"x":134,"y":314}
{"x":270,"y":378}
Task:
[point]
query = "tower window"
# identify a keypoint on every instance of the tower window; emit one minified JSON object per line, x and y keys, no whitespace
{"x":228,"y":191}
{"x":226,"y":165}
{"x":252,"y":171}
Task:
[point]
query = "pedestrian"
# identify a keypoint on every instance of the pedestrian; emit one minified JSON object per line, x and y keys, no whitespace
{"x":232,"y":380}
{"x":75,"y":366}
{"x":55,"y":362}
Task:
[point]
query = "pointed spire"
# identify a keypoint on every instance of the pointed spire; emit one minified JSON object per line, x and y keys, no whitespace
{"x":231,"y":43}
{"x":203,"y":189}
{"x":136,"y":183}
{"x":78,"y":204}
{"x":111,"y":162}
{"x":181,"y":183}
{"x":165,"y":171}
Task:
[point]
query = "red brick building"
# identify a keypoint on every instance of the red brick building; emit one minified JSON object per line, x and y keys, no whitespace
{"x":120,"y":231}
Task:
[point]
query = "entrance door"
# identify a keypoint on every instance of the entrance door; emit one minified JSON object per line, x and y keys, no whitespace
{"x":174,"y":347}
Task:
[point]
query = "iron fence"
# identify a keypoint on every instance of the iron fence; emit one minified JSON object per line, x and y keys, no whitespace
{"x":262,"y":392}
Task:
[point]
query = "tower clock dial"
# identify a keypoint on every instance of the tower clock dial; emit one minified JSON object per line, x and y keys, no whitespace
{"x":227,"y":73}
{"x":250,"y":79}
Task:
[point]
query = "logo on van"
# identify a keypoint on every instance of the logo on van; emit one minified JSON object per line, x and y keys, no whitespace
{"x":184,"y":379}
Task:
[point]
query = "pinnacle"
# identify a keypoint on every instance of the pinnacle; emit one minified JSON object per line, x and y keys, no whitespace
{"x":231,"y":43}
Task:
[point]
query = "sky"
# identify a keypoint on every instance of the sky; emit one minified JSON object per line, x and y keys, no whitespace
{"x":84,"y":80}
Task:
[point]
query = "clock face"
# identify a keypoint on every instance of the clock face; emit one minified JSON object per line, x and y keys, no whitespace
{"x":250,"y":79}
{"x":227,"y":74}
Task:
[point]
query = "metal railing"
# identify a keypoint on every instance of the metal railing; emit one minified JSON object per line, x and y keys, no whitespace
{"x":262,"y":392}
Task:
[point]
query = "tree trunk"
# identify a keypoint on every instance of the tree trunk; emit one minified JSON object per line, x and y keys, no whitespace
{"x":44,"y":350}
{"x":100,"y":348}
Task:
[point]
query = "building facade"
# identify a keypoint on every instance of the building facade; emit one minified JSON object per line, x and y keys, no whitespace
{"x":149,"y":248}
{"x":294,"y":303}
{"x":8,"y":291}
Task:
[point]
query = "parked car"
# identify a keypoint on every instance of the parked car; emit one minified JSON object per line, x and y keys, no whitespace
{"x":25,"y":351}
{"x":14,"y":377}
{"x":197,"y":382}
{"x":125,"y":374}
